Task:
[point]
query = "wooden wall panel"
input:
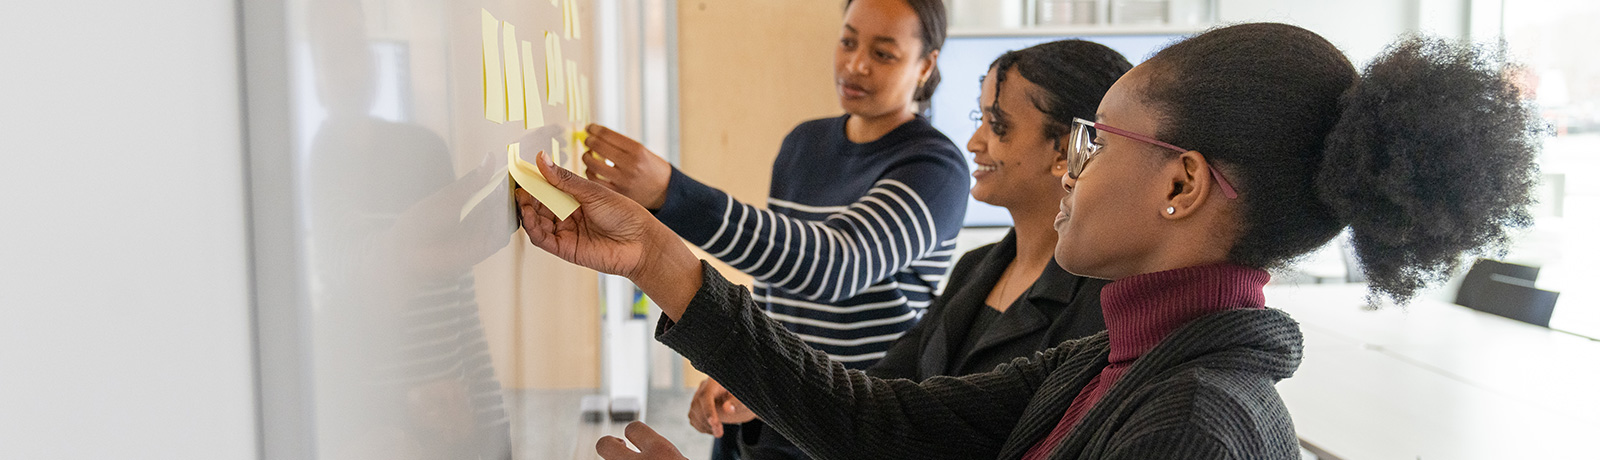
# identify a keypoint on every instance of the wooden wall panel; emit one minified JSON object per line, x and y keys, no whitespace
{"x":748,"y":72}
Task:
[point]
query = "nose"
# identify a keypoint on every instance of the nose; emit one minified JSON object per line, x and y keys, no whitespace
{"x":1068,"y":182}
{"x":974,"y":143}
{"x":857,"y":62}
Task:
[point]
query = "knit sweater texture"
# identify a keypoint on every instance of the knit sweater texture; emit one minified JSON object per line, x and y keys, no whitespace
{"x":1205,"y":391}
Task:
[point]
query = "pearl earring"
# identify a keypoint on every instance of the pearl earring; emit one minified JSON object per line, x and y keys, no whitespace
{"x":1171,"y":210}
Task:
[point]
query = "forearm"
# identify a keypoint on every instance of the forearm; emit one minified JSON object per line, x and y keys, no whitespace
{"x":671,"y":276}
{"x":837,"y":413}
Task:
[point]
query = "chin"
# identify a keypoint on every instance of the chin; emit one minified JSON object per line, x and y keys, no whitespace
{"x":1071,"y":260}
{"x":984,"y":197}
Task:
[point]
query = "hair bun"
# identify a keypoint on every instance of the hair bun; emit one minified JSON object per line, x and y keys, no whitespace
{"x":1433,"y":157}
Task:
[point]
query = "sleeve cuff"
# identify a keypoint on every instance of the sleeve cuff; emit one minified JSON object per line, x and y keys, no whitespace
{"x":708,"y":321}
{"x":692,"y":209}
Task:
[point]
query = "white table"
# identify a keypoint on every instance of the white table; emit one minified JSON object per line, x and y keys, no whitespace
{"x":1437,"y":381}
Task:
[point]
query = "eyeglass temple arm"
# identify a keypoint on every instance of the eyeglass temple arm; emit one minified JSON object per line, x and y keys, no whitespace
{"x":1227,"y":189}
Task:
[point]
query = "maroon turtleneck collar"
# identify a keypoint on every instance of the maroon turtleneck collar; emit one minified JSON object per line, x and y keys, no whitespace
{"x":1141,"y":310}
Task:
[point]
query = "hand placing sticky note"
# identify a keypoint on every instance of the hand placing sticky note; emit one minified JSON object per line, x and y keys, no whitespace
{"x":527,"y":176}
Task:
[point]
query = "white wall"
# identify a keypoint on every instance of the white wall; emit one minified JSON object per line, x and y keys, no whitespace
{"x":124,"y":283}
{"x":1359,"y":27}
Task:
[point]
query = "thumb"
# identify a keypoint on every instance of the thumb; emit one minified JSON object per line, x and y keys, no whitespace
{"x":567,"y":181}
{"x":648,"y":440}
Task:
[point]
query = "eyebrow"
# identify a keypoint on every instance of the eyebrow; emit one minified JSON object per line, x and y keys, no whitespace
{"x":875,"y":39}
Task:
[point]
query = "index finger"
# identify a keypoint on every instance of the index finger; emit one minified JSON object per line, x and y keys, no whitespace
{"x":614,"y":448}
{"x":648,"y":440}
{"x":612,"y":141}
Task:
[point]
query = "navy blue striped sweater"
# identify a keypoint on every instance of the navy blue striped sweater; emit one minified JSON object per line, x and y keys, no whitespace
{"x":855,"y":239}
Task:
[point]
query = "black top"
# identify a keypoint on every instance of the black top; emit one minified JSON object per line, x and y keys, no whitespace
{"x":979,"y":329}
{"x":1059,"y":306}
{"x":1205,"y":392}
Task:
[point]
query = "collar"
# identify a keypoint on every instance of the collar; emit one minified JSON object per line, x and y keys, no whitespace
{"x":1141,"y":310}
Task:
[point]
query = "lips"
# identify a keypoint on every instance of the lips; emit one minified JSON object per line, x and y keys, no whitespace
{"x":1064,"y":214}
{"x":852,"y":90}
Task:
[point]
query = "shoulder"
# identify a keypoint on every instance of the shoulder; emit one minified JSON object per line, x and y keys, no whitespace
{"x":918,"y":136}
{"x":821,"y":128}
{"x":1239,"y":411}
{"x":972,"y":258}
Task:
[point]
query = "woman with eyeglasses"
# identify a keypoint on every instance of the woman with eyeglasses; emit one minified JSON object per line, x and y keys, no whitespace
{"x":1225,"y":154}
{"x":1008,"y":299}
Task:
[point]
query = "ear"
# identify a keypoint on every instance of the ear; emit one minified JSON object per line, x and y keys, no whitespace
{"x":1190,"y":179}
{"x":1058,"y":166}
{"x":929,"y":62}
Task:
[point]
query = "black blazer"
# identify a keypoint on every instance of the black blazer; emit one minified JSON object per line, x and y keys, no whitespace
{"x":1058,"y":307}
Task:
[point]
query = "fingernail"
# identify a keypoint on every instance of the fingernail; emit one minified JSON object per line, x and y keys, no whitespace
{"x":544,"y":158}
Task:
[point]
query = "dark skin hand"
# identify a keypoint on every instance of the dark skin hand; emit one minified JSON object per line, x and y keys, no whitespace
{"x":615,"y":235}
{"x":714,"y":406}
{"x":633,"y":170}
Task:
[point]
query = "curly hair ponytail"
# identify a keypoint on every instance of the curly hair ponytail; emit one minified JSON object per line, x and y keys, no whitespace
{"x":1427,"y":157}
{"x":1432,"y":158}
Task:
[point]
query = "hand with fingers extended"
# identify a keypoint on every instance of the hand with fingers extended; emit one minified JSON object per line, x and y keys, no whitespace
{"x":652,"y":446}
{"x":612,"y":234}
{"x":714,"y":406}
{"x":633,"y":170}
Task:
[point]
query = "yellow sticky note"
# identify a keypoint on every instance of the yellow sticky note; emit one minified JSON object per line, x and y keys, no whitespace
{"x":578,"y":149}
{"x":572,"y":90}
{"x":494,"y":84}
{"x":574,"y":19}
{"x":534,"y":116}
{"x":556,"y":153}
{"x":583,"y":101}
{"x":566,"y":18}
{"x":513,"y":66}
{"x":554,"y":90}
{"x":527,"y":176}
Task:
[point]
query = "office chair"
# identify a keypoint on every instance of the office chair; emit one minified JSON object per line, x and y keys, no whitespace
{"x":1478,"y":277}
{"x":1516,"y":299}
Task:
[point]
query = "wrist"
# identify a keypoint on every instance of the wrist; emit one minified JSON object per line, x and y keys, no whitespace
{"x":657,"y":197}
{"x":670,"y":274}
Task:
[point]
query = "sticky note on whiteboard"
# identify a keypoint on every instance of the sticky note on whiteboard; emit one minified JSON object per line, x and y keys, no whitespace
{"x":494,"y":84}
{"x":554,"y":89}
{"x":566,"y":18}
{"x":513,"y":67}
{"x":577,"y":23}
{"x":583,"y":101}
{"x":534,"y":116}
{"x":527,"y":176}
{"x":572,"y":90}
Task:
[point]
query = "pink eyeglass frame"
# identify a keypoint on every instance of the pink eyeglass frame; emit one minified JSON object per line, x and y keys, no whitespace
{"x":1227,"y":189}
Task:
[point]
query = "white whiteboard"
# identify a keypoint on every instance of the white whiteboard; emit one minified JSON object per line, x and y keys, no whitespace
{"x":377,"y":140}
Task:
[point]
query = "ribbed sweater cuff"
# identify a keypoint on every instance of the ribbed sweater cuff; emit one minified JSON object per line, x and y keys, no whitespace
{"x":692,"y":209}
{"x":703,"y":329}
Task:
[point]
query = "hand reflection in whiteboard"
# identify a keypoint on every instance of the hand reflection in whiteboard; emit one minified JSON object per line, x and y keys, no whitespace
{"x":402,"y":366}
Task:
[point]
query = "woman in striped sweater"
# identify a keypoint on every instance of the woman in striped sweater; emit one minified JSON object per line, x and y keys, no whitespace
{"x":1008,"y":299}
{"x":1425,"y":156}
{"x":864,"y":208}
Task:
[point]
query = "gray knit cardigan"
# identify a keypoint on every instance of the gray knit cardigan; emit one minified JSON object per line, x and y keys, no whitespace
{"x":1206,"y":392}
